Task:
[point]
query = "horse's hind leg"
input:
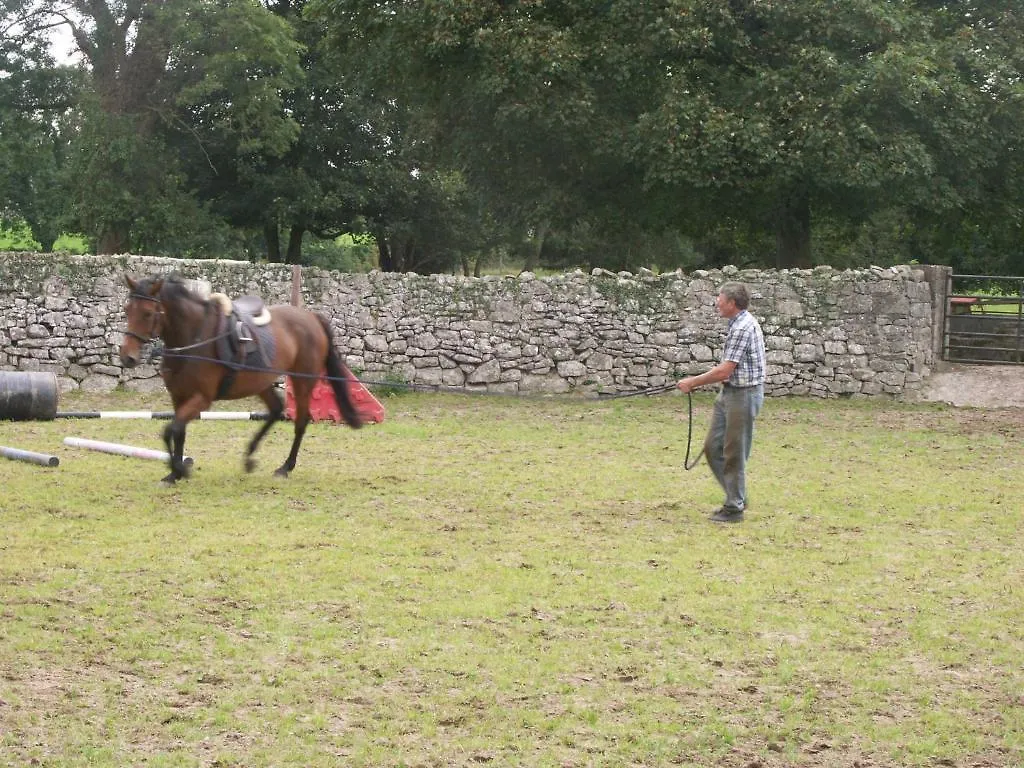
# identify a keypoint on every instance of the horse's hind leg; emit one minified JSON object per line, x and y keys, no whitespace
{"x":302,"y":389}
{"x":275,"y":410}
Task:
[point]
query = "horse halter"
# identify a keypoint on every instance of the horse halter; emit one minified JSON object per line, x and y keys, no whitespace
{"x":156,"y":318}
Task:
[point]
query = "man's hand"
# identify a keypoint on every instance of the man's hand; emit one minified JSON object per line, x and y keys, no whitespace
{"x":688,"y":384}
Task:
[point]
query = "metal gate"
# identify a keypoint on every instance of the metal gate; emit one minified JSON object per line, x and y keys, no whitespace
{"x":984,"y":320}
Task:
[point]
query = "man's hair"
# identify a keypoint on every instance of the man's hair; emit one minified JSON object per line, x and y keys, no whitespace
{"x":737,"y":292}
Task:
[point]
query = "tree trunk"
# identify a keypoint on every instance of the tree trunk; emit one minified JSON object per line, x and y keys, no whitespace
{"x":533,"y":254}
{"x":273,"y":239}
{"x":128,"y":55}
{"x":387,"y":264}
{"x":295,"y":244}
{"x":408,"y":256}
{"x":113,"y":239}
{"x":396,"y":254}
{"x":793,"y":231}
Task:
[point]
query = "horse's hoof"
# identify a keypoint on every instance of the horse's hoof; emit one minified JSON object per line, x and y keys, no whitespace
{"x":250,"y":465}
{"x":281,"y":472}
{"x":169,"y":480}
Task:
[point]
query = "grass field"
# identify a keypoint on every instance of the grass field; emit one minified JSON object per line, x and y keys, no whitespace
{"x":518,"y":582}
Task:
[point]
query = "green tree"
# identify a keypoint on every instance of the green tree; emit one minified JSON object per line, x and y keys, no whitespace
{"x":496,"y":95}
{"x":842,"y":109}
{"x":356,"y":166}
{"x":36,"y":97}
{"x":311,"y":184}
{"x":710,"y":116}
{"x":157,"y":67}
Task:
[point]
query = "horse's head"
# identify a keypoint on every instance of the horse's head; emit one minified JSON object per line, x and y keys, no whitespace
{"x":145,"y":316}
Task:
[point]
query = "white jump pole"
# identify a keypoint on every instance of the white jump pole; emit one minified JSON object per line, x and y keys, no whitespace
{"x":121,"y":450}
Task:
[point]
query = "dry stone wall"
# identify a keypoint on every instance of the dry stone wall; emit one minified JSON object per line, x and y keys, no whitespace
{"x":828,"y":333}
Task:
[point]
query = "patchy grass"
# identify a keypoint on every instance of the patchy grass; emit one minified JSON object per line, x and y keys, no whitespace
{"x":501,"y":581}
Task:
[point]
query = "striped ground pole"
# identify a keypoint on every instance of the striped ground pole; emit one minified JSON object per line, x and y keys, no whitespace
{"x":205,"y":415}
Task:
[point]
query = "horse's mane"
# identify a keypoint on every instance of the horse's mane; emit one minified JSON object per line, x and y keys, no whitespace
{"x":174,"y":288}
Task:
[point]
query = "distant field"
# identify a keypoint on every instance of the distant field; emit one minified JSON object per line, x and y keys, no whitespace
{"x":1009,"y":306}
{"x":518,"y":582}
{"x":20,"y":238}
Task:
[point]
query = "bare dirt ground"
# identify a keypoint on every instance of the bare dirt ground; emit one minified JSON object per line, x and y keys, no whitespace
{"x":976,"y":386}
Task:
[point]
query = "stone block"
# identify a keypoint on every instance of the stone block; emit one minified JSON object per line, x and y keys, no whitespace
{"x":571,"y":368}
{"x":778,"y":342}
{"x":779,"y":357}
{"x":95,"y":382}
{"x":807,"y":353}
{"x":430,"y":377}
{"x":701,"y":353}
{"x":452,"y":377}
{"x":550,"y":384}
{"x":486,"y":373}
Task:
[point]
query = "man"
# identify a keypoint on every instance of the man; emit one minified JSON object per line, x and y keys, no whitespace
{"x":741,"y":372}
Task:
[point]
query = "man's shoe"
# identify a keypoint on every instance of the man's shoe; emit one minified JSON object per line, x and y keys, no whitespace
{"x":727,"y":516}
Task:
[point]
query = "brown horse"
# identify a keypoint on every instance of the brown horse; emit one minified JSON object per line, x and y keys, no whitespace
{"x":194,"y":329}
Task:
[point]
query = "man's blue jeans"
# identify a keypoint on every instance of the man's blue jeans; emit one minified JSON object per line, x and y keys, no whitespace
{"x":729,"y":439}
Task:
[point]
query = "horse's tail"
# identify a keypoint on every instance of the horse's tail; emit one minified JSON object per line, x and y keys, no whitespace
{"x":338,"y":374}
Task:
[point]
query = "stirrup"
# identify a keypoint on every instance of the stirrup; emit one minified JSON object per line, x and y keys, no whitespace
{"x":243,"y":333}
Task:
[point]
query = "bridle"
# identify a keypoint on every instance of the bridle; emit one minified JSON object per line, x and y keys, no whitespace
{"x":154,"y":330}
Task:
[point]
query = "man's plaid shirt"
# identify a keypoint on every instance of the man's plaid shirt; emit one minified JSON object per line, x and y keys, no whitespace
{"x":744,"y":345}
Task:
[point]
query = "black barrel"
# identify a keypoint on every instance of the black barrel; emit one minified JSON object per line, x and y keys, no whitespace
{"x":28,"y":396}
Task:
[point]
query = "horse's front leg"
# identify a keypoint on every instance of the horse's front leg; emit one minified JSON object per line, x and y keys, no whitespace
{"x":174,"y":436}
{"x":174,"y":439}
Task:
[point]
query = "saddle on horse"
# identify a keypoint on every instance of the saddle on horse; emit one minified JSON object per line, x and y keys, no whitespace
{"x":245,"y":339}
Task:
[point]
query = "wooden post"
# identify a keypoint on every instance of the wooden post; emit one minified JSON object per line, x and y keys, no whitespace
{"x":296,"y":285}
